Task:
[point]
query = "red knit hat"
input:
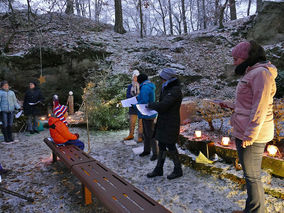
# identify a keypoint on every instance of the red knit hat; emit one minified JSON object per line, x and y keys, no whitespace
{"x":241,"y":50}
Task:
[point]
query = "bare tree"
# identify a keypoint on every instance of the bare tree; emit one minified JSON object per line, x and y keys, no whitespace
{"x":69,"y":8}
{"x":171,"y":17}
{"x":77,"y":6}
{"x":217,"y":10}
{"x":204,"y":14}
{"x":141,"y":18}
{"x":118,"y":26}
{"x":89,"y":5}
{"x":163,"y":15}
{"x":249,"y":5}
{"x":221,"y":17}
{"x":183,"y":17}
{"x":233,"y":10}
{"x":258,"y":5}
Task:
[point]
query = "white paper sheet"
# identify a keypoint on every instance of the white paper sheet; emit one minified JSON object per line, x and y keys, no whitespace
{"x":128,"y":102}
{"x":138,"y":150}
{"x":34,"y":103}
{"x":130,"y":143}
{"x":19,"y":114}
{"x":145,"y":111}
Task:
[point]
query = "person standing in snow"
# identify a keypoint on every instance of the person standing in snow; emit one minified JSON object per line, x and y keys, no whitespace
{"x":33,"y":98}
{"x":133,"y":91}
{"x":168,"y":123}
{"x":8,"y":105}
{"x":147,"y":96}
{"x":252,"y":120}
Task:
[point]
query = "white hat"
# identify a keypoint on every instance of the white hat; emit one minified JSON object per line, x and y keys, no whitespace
{"x":135,"y":73}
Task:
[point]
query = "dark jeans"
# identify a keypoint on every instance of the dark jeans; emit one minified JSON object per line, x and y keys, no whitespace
{"x":77,"y":143}
{"x":148,"y":131}
{"x":169,"y":147}
{"x":32,"y":122}
{"x":7,"y":119}
{"x":251,"y":159}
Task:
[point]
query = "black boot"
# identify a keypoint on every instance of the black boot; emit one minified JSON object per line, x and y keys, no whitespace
{"x":9,"y":134}
{"x":4,"y":131}
{"x":177,"y":169}
{"x":158,"y":171}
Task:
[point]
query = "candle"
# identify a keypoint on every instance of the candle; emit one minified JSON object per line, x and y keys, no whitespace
{"x":225,"y":141}
{"x":272,"y":150}
{"x":198,"y":134}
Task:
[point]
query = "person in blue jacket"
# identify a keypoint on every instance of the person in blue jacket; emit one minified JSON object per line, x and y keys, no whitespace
{"x":147,"y":96}
{"x":8,"y":105}
{"x":133,"y":91}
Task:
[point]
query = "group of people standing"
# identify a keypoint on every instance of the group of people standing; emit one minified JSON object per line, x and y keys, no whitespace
{"x":166,"y":129}
{"x":9,"y":104}
{"x":252,"y":119}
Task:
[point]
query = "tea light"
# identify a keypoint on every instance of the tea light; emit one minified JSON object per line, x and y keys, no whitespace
{"x":198,"y":134}
{"x":225,"y":141}
{"x":272,"y":150}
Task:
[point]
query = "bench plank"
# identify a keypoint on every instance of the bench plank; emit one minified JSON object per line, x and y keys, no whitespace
{"x":113,"y":191}
{"x":71,"y":155}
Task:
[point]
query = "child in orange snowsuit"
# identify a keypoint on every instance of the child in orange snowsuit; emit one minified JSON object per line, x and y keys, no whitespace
{"x":61,"y":134}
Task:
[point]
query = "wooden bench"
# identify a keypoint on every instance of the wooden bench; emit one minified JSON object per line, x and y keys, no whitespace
{"x":113,"y":191}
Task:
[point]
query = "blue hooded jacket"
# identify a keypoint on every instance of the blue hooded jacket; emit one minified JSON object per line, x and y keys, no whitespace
{"x":146,"y":96}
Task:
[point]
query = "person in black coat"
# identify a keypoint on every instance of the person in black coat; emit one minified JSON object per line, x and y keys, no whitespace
{"x":32,"y":101}
{"x":168,"y":123}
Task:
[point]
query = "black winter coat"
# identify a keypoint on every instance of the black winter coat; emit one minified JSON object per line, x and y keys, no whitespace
{"x":168,"y":107}
{"x":32,"y":96}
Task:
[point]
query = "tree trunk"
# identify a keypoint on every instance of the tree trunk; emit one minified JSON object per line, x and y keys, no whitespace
{"x":198,"y":16}
{"x":171,"y":17}
{"x":77,"y":6}
{"x":183,"y":17}
{"x":69,"y":8}
{"x":221,"y":18}
{"x":163,"y":17}
{"x":118,"y":26}
{"x":90,"y":12}
{"x":216,"y":12}
{"x":141,"y":18}
{"x":249,"y":5}
{"x":191,"y":17}
{"x":258,"y":5}
{"x":204,"y":14}
{"x":233,"y":10}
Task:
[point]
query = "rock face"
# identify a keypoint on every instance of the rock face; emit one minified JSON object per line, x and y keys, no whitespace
{"x":64,"y":70}
{"x":269,"y":24}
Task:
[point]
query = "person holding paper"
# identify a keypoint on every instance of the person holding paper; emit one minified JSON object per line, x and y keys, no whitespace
{"x":32,"y":100}
{"x":168,"y":123}
{"x":8,"y":105}
{"x":147,"y":96}
{"x":132,"y":91}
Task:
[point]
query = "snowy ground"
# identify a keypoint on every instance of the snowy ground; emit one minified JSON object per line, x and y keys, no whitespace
{"x":56,"y":190}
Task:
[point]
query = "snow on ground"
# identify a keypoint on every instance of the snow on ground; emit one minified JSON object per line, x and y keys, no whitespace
{"x":56,"y":190}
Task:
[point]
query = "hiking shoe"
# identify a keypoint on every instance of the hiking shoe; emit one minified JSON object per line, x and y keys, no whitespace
{"x":36,"y":131}
{"x":144,"y":154}
{"x":8,"y":142}
{"x":154,"y":157}
{"x":32,"y":132}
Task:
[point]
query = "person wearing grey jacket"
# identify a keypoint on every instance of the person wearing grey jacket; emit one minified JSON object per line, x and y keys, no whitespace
{"x":8,"y":104}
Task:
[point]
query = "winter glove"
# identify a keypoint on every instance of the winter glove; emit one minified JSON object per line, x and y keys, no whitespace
{"x":77,"y":135}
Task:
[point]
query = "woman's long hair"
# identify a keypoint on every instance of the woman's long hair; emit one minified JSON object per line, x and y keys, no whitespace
{"x":256,"y":55}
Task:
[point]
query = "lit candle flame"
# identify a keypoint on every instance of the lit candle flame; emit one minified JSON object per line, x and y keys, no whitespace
{"x":198,"y":134}
{"x":272,"y":150}
{"x":225,"y":141}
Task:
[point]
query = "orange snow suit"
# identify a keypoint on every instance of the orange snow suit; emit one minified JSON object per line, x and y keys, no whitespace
{"x":59,"y":131}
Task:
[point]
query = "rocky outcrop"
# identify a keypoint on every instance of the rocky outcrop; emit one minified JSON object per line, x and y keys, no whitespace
{"x":269,"y":24}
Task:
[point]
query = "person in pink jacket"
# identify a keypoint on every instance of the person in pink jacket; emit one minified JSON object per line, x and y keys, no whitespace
{"x":252,"y":120}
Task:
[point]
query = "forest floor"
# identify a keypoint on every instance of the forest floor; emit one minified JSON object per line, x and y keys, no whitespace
{"x":56,"y":190}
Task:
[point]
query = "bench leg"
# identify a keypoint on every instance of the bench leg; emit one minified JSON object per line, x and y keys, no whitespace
{"x":87,"y":195}
{"x":54,"y":157}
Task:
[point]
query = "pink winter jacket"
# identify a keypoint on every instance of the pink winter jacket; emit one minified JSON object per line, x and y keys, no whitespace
{"x":253,"y":111}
